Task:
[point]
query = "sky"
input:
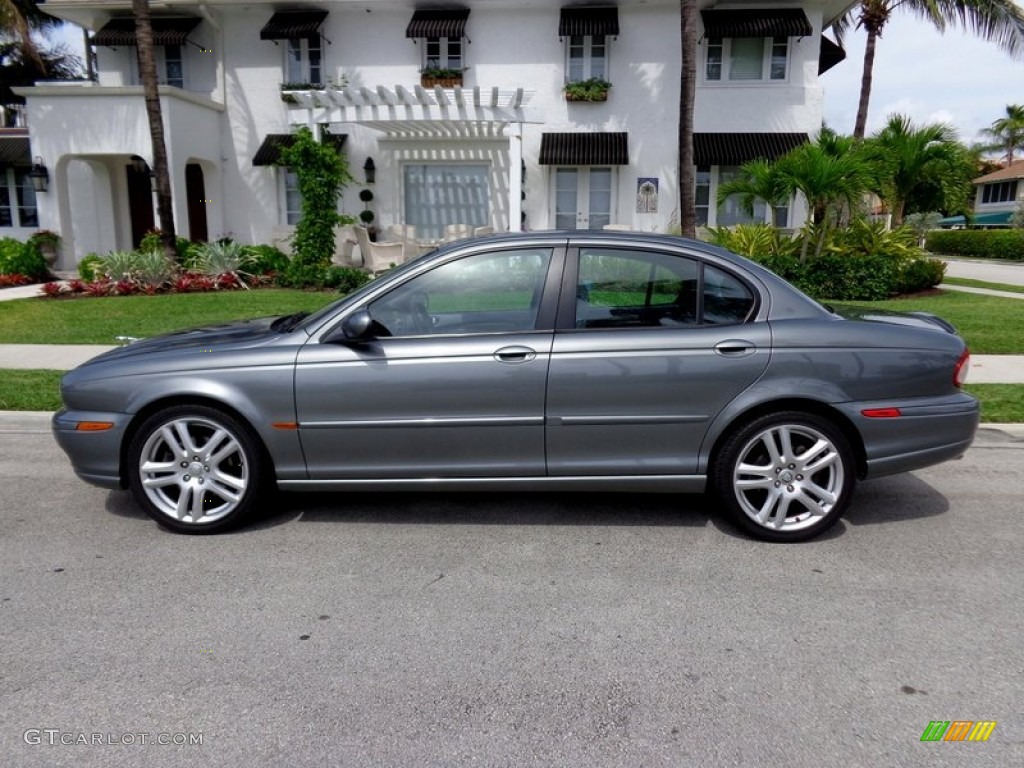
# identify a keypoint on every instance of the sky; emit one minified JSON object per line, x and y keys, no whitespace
{"x":954,"y":78}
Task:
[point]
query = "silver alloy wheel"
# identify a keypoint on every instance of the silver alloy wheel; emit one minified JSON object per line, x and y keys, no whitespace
{"x":788,"y":477}
{"x":193,"y":470}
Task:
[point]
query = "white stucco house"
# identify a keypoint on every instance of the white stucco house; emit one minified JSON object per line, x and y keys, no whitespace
{"x":500,"y":145}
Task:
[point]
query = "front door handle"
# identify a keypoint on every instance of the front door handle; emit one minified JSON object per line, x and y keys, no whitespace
{"x":735,"y":348}
{"x":515,"y":355}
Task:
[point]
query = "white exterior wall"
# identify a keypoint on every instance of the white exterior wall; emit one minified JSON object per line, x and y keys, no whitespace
{"x":511,"y":46}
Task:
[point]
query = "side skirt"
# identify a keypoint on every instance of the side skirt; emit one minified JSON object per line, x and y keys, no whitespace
{"x":617,"y":483}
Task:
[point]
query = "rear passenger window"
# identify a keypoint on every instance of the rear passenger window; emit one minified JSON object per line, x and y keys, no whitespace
{"x":726,"y":299}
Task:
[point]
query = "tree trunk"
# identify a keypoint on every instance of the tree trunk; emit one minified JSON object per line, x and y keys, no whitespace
{"x":865,"y":81}
{"x":147,"y":72}
{"x":687,"y":96}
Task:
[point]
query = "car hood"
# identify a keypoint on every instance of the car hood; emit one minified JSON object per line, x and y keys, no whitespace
{"x":236,"y":335}
{"x":909,"y":319}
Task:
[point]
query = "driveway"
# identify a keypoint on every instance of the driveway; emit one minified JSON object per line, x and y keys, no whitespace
{"x":509,"y":629}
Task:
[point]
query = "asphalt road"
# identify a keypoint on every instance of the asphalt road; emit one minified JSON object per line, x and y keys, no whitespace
{"x":518,"y":630}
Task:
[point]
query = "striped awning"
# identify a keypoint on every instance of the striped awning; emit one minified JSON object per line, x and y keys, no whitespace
{"x":740,"y":148}
{"x":449,"y":23}
{"x":829,"y":55}
{"x":293,"y":25}
{"x":269,"y":152}
{"x":166,"y":31}
{"x":584,"y":149}
{"x":580,"y":22}
{"x":761,"y":22}
{"x":15,"y":150}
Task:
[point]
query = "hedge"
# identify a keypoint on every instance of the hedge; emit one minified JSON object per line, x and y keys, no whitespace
{"x":983,"y":243}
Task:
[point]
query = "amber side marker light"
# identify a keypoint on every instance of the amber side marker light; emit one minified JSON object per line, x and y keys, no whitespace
{"x":94,"y":426}
{"x":284,"y":425}
{"x":881,"y":413}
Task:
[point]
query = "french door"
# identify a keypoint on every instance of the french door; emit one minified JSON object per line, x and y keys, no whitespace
{"x":583,"y":197}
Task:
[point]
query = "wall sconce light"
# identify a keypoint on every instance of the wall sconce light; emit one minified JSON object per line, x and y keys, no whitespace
{"x":39,"y":175}
{"x":370,"y":169}
{"x":139,"y":165}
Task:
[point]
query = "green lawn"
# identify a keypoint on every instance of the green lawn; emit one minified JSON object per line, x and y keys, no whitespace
{"x":991,"y":325}
{"x":968,"y":283}
{"x":99,"y":321}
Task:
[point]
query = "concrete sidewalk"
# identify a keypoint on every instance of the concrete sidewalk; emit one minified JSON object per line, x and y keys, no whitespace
{"x":985,"y":369}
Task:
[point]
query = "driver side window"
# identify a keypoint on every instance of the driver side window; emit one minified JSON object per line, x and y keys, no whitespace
{"x":496,"y":292}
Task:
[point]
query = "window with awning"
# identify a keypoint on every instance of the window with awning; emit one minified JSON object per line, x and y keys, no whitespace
{"x":739,"y":148}
{"x":293,"y":25}
{"x":759,"y":22}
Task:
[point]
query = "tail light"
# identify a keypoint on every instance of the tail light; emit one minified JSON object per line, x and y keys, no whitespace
{"x":963,"y":365}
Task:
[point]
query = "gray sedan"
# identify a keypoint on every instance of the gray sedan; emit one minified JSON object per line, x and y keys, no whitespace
{"x":544,"y":361}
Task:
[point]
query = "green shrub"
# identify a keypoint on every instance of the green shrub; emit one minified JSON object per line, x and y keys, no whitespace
{"x":151,"y":242}
{"x":266,"y":258}
{"x":982,"y":243}
{"x":224,"y":257}
{"x":154,"y":269}
{"x":345,"y":279}
{"x":90,"y":267}
{"x":119,"y":265}
{"x":18,"y":258}
{"x":921,"y":274}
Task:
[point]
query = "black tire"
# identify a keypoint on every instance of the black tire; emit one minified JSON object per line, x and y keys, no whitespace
{"x":771,"y":494}
{"x":212,"y":486}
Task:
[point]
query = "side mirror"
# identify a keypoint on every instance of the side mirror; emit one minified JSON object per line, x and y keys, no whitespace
{"x":359,"y":326}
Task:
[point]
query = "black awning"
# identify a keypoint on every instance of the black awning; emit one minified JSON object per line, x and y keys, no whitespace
{"x":269,"y":152}
{"x":740,"y":148}
{"x":829,"y":55}
{"x":762,"y":22}
{"x":15,"y":150}
{"x":584,"y":149}
{"x":166,"y":31}
{"x":450,"y":24}
{"x":293,"y":25}
{"x":580,"y":22}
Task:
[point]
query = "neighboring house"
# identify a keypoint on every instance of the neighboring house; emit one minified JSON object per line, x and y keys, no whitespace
{"x":499,"y":145}
{"x":18,"y":214}
{"x":998,"y":195}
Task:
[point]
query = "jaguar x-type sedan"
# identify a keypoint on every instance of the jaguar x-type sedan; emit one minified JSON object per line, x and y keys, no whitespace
{"x":542,"y":361}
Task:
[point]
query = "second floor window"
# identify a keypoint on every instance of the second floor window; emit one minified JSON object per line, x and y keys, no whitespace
{"x":174,"y":70}
{"x":747,"y":58}
{"x":1002,"y":192}
{"x":588,"y":58}
{"x":304,"y":60}
{"x":443,"y":53}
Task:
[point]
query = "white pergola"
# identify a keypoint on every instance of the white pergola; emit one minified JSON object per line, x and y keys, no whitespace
{"x":427,"y":113}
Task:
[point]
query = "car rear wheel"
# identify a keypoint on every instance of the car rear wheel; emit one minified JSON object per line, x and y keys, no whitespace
{"x":195,"y":469}
{"x":786,"y":476}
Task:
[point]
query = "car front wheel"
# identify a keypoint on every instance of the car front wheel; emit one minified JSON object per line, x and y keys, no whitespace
{"x":195,"y":469}
{"x":786,"y":476}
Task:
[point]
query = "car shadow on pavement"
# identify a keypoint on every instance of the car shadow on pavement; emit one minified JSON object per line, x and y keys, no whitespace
{"x":591,"y":509}
{"x":895,"y":499}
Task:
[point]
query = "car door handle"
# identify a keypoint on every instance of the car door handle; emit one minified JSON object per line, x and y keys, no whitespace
{"x":515,"y":355}
{"x":735,"y":348}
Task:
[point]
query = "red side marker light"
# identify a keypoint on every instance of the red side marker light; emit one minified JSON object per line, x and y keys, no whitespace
{"x":881,"y":413}
{"x":94,"y":426}
{"x":963,"y":365}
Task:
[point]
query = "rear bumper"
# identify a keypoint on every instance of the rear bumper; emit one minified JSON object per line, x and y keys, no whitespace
{"x":95,"y":456}
{"x":928,"y":431}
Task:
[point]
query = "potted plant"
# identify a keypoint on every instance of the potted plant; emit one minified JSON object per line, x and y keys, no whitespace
{"x":367,"y":216}
{"x":592,"y":89}
{"x":46,"y":242}
{"x":446,"y":78}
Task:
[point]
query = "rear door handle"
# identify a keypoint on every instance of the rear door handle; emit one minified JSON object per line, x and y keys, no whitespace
{"x":735,"y":348}
{"x":515,"y":355}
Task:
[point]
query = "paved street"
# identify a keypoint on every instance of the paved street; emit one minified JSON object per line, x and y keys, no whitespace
{"x":516,"y":630}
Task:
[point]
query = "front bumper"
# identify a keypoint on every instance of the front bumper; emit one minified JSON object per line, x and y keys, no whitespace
{"x":95,"y":456}
{"x":928,"y":431}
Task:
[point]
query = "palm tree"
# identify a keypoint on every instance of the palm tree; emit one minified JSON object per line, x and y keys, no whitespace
{"x":1008,"y":132}
{"x":687,"y":97}
{"x":908,"y":159}
{"x":151,"y":93}
{"x":1000,"y":21}
{"x":18,"y":20}
{"x":832,"y":173}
